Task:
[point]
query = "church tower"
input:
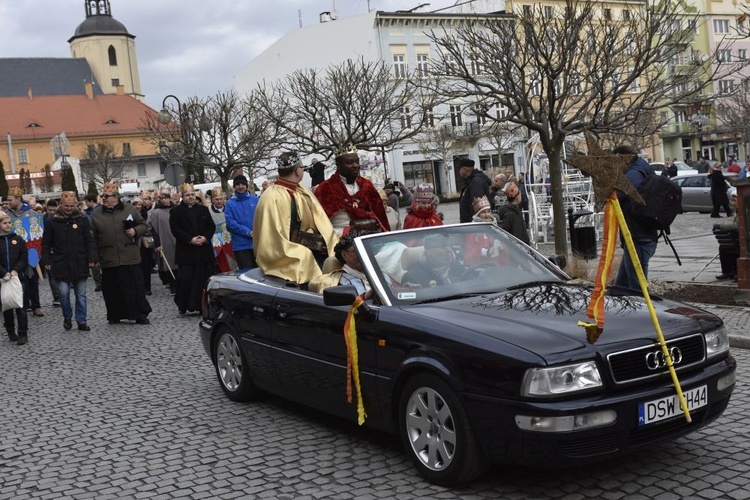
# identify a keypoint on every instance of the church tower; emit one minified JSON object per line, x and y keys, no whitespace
{"x":109,"y":49}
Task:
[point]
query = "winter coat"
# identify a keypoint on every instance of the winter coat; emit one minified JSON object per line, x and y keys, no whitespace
{"x":476,"y":186}
{"x":240,"y":214}
{"x":68,"y":246}
{"x":637,"y":172}
{"x":13,"y":255}
{"x":186,"y":222}
{"x":115,"y":247}
{"x":510,"y":218}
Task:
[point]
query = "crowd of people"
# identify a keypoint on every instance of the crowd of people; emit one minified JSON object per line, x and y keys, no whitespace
{"x":288,"y":230}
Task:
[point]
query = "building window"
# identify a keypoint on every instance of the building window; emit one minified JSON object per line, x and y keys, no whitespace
{"x":679,"y":116}
{"x":23,"y":156}
{"x":634,"y":87}
{"x":476,"y":65}
{"x":162,"y":167}
{"x":91,"y":151}
{"x":126,"y":149}
{"x":405,"y":117}
{"x":608,"y":14}
{"x":534,"y":88}
{"x":724,"y":55}
{"x":399,"y":66}
{"x":548,"y":12}
{"x":456,"y":118}
{"x":721,"y":26}
{"x":742,"y":54}
{"x":626,"y":14}
{"x":527,"y":10}
{"x":141,"y":168}
{"x":726,"y":86}
{"x":423,"y":65}
{"x":500,"y":111}
{"x":112,"y":56}
{"x":115,"y":82}
{"x":429,"y":117}
{"x":417,"y":173}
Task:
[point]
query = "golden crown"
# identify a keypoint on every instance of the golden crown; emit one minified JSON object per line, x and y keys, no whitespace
{"x":344,"y":150}
{"x":186,"y":187}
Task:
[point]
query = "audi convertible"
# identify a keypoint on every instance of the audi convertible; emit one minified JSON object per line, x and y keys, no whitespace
{"x":469,"y":348}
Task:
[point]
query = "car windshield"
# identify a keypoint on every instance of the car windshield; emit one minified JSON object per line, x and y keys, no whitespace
{"x":446,"y":262}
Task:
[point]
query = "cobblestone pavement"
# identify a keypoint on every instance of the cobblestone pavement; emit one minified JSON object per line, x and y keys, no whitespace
{"x":131,"y":411}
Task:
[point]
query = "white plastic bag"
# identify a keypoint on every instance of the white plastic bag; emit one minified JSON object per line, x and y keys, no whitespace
{"x":11,"y":293}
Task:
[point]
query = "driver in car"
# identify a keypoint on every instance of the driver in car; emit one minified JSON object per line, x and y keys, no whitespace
{"x":438,"y":265}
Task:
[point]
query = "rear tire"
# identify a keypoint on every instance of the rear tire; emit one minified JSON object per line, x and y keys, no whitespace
{"x":232,"y":368}
{"x":436,"y":432}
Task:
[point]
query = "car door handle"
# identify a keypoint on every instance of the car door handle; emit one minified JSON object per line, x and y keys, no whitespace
{"x":282,"y":310}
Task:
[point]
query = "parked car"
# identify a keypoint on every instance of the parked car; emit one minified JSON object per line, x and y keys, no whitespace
{"x":696,"y":191}
{"x":470,"y":350}
{"x":682,"y":168}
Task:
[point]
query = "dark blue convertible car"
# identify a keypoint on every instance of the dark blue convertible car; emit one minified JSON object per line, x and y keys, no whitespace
{"x":470,"y":351}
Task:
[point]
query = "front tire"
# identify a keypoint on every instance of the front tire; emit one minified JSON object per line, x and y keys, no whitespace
{"x":436,"y":432}
{"x":232,"y":368}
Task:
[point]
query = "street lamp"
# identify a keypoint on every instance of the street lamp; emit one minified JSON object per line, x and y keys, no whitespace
{"x":165,"y":116}
{"x":698,"y":119}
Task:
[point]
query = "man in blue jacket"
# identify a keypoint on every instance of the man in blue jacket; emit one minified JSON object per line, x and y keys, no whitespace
{"x":240,"y":213}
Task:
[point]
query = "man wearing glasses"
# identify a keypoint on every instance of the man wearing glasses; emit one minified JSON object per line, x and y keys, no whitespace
{"x":118,"y":228}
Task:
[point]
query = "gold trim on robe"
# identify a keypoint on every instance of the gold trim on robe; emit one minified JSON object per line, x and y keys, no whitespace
{"x":275,"y":254}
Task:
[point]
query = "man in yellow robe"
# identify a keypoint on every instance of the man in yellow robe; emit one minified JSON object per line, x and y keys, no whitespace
{"x":285,"y":206}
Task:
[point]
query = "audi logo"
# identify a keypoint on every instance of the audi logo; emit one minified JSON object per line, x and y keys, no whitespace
{"x":656,"y":359}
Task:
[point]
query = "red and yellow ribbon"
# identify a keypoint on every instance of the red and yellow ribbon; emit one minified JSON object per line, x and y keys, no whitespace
{"x":614,"y":218}
{"x":352,"y":360}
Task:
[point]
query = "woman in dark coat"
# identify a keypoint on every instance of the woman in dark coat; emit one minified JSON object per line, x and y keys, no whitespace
{"x":193,"y":227}
{"x":719,"y":188}
{"x":13,"y":262}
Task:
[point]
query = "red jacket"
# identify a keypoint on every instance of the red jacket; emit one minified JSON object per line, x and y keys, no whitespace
{"x":421,"y":218}
{"x":365,"y":204}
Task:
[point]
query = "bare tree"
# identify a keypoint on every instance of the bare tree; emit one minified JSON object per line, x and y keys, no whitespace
{"x":641,"y":133}
{"x":215,"y":137}
{"x":100,"y":163}
{"x":732,"y":111}
{"x":443,"y":142}
{"x":353,"y":102}
{"x":578,"y":68}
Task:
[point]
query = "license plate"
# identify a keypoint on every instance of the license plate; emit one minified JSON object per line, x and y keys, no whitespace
{"x":669,"y":407}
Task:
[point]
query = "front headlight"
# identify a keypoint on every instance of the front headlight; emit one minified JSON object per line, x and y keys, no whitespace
{"x":717,"y":343}
{"x":558,"y":380}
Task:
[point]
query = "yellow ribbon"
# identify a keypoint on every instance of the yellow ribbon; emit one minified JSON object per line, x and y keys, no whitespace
{"x":352,"y":360}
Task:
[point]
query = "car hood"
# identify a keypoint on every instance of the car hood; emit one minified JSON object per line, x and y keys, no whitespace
{"x":544,"y":319}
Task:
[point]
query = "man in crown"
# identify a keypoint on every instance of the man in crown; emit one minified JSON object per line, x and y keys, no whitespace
{"x":117,"y":228}
{"x":349,"y":198}
{"x":287,"y":216}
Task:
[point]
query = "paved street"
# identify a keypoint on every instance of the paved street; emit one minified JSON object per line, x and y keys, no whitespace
{"x":136,"y":411}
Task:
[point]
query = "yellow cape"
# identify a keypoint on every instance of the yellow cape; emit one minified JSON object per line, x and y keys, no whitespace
{"x":275,"y":253}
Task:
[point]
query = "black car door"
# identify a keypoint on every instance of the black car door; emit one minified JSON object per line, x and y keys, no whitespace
{"x":311,"y":353}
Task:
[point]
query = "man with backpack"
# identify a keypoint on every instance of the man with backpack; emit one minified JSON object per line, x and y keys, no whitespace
{"x":644,"y":236}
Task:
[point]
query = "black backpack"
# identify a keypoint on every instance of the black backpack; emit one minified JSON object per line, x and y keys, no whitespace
{"x":663,"y":202}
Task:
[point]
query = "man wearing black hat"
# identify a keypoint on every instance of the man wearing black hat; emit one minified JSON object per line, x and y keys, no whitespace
{"x":476,"y":185}
{"x":240,"y":215}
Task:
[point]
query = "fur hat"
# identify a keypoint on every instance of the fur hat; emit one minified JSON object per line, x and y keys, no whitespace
{"x":15,"y":191}
{"x":481,"y":203}
{"x":424,"y":192}
{"x":68,"y":196}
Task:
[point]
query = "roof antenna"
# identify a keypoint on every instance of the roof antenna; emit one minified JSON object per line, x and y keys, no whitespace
{"x":299,"y":15}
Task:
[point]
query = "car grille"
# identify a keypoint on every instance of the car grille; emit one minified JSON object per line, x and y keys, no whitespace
{"x":632,"y":365}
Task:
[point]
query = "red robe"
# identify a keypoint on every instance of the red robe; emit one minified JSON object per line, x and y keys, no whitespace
{"x":365,"y":204}
{"x":418,"y":217}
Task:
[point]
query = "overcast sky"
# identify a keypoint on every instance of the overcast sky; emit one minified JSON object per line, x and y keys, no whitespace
{"x":185,"y":47}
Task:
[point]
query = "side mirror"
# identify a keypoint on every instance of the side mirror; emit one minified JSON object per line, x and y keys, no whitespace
{"x":339,"y":295}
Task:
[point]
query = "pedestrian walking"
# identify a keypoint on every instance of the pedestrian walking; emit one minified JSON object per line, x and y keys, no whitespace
{"x":164,"y":242}
{"x":19,"y":209}
{"x":117,"y":227}
{"x":13,"y":263}
{"x":240,"y":214}
{"x":68,"y":252}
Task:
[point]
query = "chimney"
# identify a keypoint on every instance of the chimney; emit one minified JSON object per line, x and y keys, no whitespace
{"x":120,"y":90}
{"x":30,"y":94}
{"x":89,"y":89}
